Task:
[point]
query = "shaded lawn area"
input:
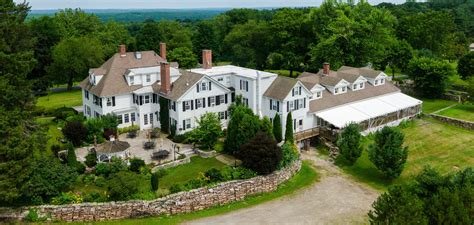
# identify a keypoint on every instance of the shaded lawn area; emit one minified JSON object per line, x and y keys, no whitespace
{"x":432,"y":105}
{"x":304,"y":178}
{"x":461,"y":111}
{"x":183,"y":173}
{"x":53,"y":132}
{"x":445,"y":148}
{"x":60,"y":99}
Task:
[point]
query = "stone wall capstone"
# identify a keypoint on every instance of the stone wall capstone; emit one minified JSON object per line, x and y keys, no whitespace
{"x":183,"y":202}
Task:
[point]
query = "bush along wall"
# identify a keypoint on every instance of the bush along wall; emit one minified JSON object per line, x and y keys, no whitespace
{"x":182,"y":202}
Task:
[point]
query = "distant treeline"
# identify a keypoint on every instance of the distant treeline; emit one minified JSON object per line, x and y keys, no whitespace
{"x":139,"y":15}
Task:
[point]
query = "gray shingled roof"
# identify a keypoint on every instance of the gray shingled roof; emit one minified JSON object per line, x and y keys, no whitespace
{"x":315,"y":78}
{"x":280,"y":87}
{"x":181,"y":85}
{"x":329,"y":100}
{"x":113,"y":82}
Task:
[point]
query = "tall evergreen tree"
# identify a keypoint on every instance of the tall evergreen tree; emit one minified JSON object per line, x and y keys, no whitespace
{"x":289,"y":136}
{"x":277,"y":129}
{"x":267,"y":127}
{"x":243,"y":125}
{"x":349,"y":143}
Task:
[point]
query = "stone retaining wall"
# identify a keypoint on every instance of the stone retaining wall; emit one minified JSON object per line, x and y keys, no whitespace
{"x":172,"y":164}
{"x":205,"y":154}
{"x":455,"y":122}
{"x":183,"y":202}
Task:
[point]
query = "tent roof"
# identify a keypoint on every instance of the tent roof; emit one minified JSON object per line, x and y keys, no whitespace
{"x":360,"y":111}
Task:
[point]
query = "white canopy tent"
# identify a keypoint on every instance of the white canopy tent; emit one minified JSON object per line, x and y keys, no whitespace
{"x":366,"y":110}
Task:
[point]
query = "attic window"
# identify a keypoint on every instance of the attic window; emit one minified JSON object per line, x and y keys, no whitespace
{"x":138,"y":55}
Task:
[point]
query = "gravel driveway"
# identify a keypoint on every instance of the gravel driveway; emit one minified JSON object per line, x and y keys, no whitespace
{"x":335,"y":199}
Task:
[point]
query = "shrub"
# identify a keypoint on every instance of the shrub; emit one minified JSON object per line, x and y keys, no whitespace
{"x":289,"y":136}
{"x":78,"y":117}
{"x":75,"y":132}
{"x":207,"y":132}
{"x":66,"y":198}
{"x":33,"y":216}
{"x":128,"y":129}
{"x":100,"y":181}
{"x":231,"y":173}
{"x":114,"y":166}
{"x":109,"y":122}
{"x":387,"y":152}
{"x":173,"y":130}
{"x":277,"y":129}
{"x":349,"y":143}
{"x":175,"y":188}
{"x":214,"y":175}
{"x":161,"y":173}
{"x":289,"y":154}
{"x":95,"y":129}
{"x":94,"y":196}
{"x":180,"y":138}
{"x":91,"y":159}
{"x":88,"y":179}
{"x":136,"y":164}
{"x":155,"y":181}
{"x":80,"y":168}
{"x":261,"y":154}
{"x":466,"y":66}
{"x":266,"y":126}
{"x":122,"y":185}
{"x":63,"y":113}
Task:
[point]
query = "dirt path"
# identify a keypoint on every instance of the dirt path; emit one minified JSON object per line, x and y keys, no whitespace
{"x":335,"y":199}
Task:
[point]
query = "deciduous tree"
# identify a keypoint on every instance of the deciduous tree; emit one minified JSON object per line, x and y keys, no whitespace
{"x":430,"y":76}
{"x":207,"y":132}
{"x":260,"y":154}
{"x":184,"y":56}
{"x":466,"y":66}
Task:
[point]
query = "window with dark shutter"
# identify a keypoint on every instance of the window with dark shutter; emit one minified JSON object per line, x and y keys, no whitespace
{"x":197,"y":87}
{"x":296,"y":104}
{"x":271,"y":104}
{"x":225,"y":114}
{"x":288,"y":106}
{"x":240,"y":84}
{"x":209,"y":101}
{"x":293,"y":92}
{"x":209,"y":86}
{"x":196,"y":102}
{"x":246,"y":86}
{"x":232,"y":97}
{"x":225,"y":98}
{"x":304,"y":102}
{"x":113,"y":101}
{"x":141,"y":100}
{"x":299,"y":90}
{"x":218,"y":98}
{"x":204,"y":102}
{"x":278,"y":106}
{"x":100,"y":100}
{"x":192,"y":105}
{"x":184,"y":107}
{"x":184,"y":124}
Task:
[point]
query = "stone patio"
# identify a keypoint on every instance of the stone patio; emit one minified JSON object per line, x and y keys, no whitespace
{"x":136,"y":148}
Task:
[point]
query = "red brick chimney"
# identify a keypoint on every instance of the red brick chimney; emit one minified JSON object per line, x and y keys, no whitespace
{"x":123,"y":51}
{"x":207,"y":59}
{"x":326,"y":68}
{"x":165,"y":78}
{"x":163,"y":50}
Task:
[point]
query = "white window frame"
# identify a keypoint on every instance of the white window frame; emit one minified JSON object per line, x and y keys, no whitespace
{"x":126,"y":118}
{"x":382,"y":81}
{"x":148,"y":78}
{"x":212,"y":100}
{"x":361,"y":85}
{"x":199,"y":103}
{"x":221,"y":115}
{"x":319,"y":94}
{"x":119,"y":119}
{"x":354,"y":87}
{"x":145,"y":119}
{"x":296,"y":91}
{"x":300,"y":103}
{"x":203,"y":86}
{"x":292,"y":105}
{"x":274,"y":105}
{"x":187,"y":105}
{"x":132,"y":80}
{"x":376,"y":82}
{"x":109,"y":101}
{"x":221,"y":99}
{"x":220,"y":79}
{"x":343,"y":89}
{"x":336,"y":90}
{"x":188,"y":124}
{"x":147,"y":99}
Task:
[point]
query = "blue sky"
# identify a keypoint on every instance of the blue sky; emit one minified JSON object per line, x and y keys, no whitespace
{"x":175,"y":4}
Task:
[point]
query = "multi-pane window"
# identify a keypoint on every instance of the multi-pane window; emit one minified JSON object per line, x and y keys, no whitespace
{"x":376,"y":82}
{"x":132,"y":80}
{"x":275,"y":105}
{"x":126,"y":118}
{"x":361,"y":85}
{"x":296,"y":90}
{"x":244,"y":85}
{"x":199,"y":103}
{"x":343,"y":89}
{"x":86,"y":93}
{"x":220,"y":79}
{"x":148,"y":78}
{"x":204,"y":86}
{"x":382,"y":81}
{"x":188,"y":123}
{"x":221,"y":99}
{"x":187,"y":105}
{"x":300,"y":103}
{"x":292,"y":105}
{"x":245,"y":101}
{"x":336,"y":90}
{"x":354,"y":87}
{"x":132,"y":115}
{"x":145,"y":119}
{"x":221,"y":115}
{"x":212,"y":100}
{"x":319,"y":94}
{"x":119,"y":118}
{"x":109,"y":101}
{"x":147,"y":99}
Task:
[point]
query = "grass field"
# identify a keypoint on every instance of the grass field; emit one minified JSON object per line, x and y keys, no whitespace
{"x":53,"y":132}
{"x":461,"y":111}
{"x":432,"y":105}
{"x":305,"y":177}
{"x":60,"y":99}
{"x":183,"y":173}
{"x":431,"y":143}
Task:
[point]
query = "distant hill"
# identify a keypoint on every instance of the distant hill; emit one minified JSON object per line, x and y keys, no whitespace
{"x":139,"y":15}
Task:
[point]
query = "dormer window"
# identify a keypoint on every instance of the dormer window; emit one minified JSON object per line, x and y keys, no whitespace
{"x":132,"y":80}
{"x":343,"y":89}
{"x":354,"y":87}
{"x":336,"y":90}
{"x":296,"y":91}
{"x":319,"y":94}
{"x":376,"y":82}
{"x":361,"y":85}
{"x":148,"y":78}
{"x":382,"y":81}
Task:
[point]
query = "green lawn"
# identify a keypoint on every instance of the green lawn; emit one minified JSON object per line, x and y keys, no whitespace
{"x":60,"y":99}
{"x":441,"y":146}
{"x":183,"y":173}
{"x":461,"y":111}
{"x":432,"y":105}
{"x":305,"y":177}
{"x":53,"y":132}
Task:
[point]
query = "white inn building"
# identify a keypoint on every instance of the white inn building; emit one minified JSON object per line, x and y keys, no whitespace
{"x":130,"y":84}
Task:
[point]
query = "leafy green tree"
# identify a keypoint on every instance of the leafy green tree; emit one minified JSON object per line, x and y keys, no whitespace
{"x":243,"y":125}
{"x":398,"y":206}
{"x":349,"y":143}
{"x":20,"y":138}
{"x":260,"y":154}
{"x":466,"y":66}
{"x":398,"y":56}
{"x":136,"y":164}
{"x":75,"y":132}
{"x":76,"y":23}
{"x":387,"y":152}
{"x":430,"y":76}
{"x":289,"y":154}
{"x":277,"y":129}
{"x":289,"y":136}
{"x":91,"y":159}
{"x":165,"y":116}
{"x":267,"y":127}
{"x":123,"y":185}
{"x":171,"y":32}
{"x":73,"y":57}
{"x":205,"y":37}
{"x":111,"y":35}
{"x":207,"y":132}
{"x":48,"y":179}
{"x":184,"y":56}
